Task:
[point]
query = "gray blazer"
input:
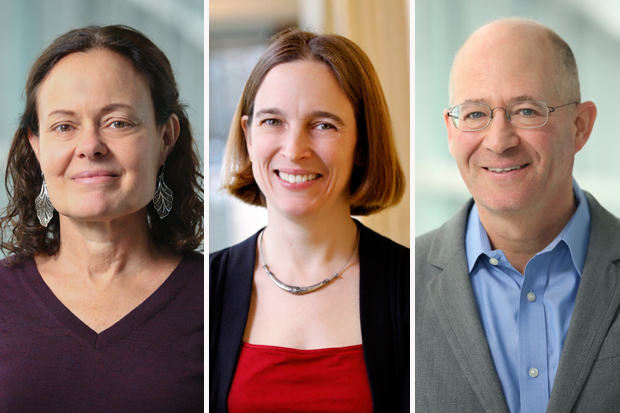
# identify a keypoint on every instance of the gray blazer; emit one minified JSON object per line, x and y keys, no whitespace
{"x":454,"y":370}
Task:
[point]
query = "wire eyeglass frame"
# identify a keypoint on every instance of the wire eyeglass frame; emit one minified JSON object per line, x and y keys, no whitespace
{"x":550,"y":109}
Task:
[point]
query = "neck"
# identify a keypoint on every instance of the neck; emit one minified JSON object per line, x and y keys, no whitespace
{"x":303,"y":252}
{"x":107,"y":248}
{"x":523,"y":234}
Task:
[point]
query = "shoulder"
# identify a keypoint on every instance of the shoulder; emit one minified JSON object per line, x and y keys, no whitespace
{"x":377,"y":244}
{"x":194,"y":259}
{"x":16,"y":264}
{"x":423,"y":244}
{"x":15,"y":274}
{"x":15,"y":260}
{"x":601,"y":218}
{"x":238,"y":259}
{"x":192,"y":267}
{"x":219,"y":260}
{"x":447,"y":238}
{"x":604,"y":232}
{"x":383,"y":261}
{"x":427,"y":245}
{"x":441,"y":247}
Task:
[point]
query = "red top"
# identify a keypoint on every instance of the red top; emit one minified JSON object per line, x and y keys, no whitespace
{"x":278,"y":379}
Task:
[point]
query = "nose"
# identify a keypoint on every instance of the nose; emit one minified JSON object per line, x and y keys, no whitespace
{"x":296,"y":144}
{"x":500,"y":135}
{"x":90,"y":144}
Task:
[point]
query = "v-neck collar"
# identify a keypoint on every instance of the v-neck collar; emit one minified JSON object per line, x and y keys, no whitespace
{"x":136,"y":317}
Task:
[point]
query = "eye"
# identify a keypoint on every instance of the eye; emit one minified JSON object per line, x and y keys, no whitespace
{"x":474,"y":115}
{"x":325,"y":126}
{"x":527,"y":112}
{"x":119,"y":124}
{"x":471,"y":112}
{"x":271,"y":122}
{"x":528,"y":109}
{"x":63,"y":128}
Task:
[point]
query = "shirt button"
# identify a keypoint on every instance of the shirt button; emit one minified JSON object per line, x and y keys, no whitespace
{"x":533,"y":372}
{"x":494,"y":261}
{"x":531,"y":296}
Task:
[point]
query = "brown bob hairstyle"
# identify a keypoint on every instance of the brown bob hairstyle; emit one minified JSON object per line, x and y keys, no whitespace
{"x":182,"y":230}
{"x":379,"y":181}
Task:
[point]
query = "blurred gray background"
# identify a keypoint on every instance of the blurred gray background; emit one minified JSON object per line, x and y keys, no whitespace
{"x":591,"y":28}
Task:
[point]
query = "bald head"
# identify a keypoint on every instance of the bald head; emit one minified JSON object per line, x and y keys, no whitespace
{"x":535,"y":46}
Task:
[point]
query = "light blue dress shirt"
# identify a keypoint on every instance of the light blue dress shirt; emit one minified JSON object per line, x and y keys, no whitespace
{"x":526,"y":317}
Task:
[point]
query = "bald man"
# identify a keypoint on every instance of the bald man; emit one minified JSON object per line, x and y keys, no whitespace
{"x":517,"y":296}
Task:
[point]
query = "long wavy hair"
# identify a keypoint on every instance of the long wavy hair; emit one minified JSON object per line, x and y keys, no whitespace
{"x":182,"y":230}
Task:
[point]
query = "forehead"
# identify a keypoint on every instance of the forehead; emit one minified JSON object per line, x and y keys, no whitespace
{"x":95,"y":77}
{"x":303,"y":82}
{"x":500,"y":65}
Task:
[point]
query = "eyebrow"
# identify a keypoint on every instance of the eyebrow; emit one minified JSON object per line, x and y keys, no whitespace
{"x":114,"y":106}
{"x":61,"y":112}
{"x":322,"y":114}
{"x":269,"y":111}
{"x":514,"y":99}
{"x":524,"y":97}
{"x":314,"y":114}
{"x":106,"y":109}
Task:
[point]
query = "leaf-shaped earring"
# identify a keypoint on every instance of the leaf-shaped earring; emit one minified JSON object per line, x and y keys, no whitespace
{"x":162,"y":200}
{"x":43,"y":205}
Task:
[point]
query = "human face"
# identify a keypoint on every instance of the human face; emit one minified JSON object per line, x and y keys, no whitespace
{"x":302,"y":140}
{"x":98,"y":144}
{"x":506,"y":168}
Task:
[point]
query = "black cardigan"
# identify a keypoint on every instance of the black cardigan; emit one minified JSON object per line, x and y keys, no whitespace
{"x":384,"y":313}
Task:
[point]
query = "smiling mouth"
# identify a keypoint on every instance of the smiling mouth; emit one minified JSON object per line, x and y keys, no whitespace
{"x":295,"y":179}
{"x":510,"y":168}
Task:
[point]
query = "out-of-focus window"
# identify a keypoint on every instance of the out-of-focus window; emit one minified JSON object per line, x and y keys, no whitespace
{"x":231,"y":58}
{"x":239,"y":32}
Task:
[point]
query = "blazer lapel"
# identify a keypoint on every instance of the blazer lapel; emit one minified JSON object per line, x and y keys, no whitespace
{"x":454,"y":302}
{"x":596,"y":305}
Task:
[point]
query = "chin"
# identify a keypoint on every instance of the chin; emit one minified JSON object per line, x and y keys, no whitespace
{"x":298,"y":212}
{"x":100,"y":213}
{"x":504,"y":203}
{"x":297,"y":208}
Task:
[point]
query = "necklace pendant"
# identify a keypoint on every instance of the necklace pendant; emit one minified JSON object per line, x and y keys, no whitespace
{"x":292,"y":289}
{"x":297,"y":290}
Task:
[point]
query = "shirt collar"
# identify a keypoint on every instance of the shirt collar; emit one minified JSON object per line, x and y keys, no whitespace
{"x":575,"y":234}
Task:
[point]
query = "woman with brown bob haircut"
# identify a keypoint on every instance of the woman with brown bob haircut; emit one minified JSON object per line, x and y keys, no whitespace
{"x":105,"y":211}
{"x":312,"y":312}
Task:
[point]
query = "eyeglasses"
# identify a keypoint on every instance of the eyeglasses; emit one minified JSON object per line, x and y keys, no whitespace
{"x":528,"y":114}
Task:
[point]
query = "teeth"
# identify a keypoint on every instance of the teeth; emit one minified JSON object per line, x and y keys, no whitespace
{"x":290,"y":178}
{"x":512,"y":168}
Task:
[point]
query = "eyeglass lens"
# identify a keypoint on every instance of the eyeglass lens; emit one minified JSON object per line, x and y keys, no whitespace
{"x":477,"y":116}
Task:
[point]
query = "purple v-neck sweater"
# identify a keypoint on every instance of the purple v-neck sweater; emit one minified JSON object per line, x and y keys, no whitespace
{"x":149,"y":361}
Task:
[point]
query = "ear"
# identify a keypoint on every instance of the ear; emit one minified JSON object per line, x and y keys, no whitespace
{"x":450,"y":127}
{"x":169,"y":134}
{"x":583,"y":122}
{"x":34,"y":142}
{"x":246,"y":132}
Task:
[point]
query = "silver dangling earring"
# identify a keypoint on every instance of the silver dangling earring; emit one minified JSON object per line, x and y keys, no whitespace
{"x":162,"y":200}
{"x":43,"y":205}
